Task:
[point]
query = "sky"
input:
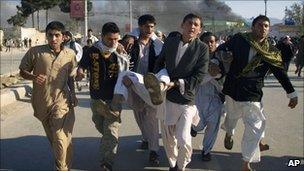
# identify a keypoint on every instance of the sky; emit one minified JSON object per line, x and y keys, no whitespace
{"x":248,"y":9}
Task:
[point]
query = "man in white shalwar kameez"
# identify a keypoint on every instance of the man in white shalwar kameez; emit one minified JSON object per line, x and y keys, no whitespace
{"x":186,"y":60}
{"x":253,"y":57}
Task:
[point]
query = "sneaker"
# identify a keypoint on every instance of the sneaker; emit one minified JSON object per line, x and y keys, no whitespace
{"x":152,"y":84}
{"x":263,"y":147}
{"x":154,"y":158}
{"x":144,"y":145}
{"x":193,"y":132}
{"x":106,"y":167}
{"x":206,"y":157}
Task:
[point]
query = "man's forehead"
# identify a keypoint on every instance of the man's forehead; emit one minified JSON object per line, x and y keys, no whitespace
{"x":264,"y":22}
{"x":193,"y":20}
{"x":54,"y":31}
{"x":149,"y":24}
{"x":112,"y":35}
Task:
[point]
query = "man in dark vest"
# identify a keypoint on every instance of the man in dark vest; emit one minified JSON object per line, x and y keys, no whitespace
{"x":144,"y":53}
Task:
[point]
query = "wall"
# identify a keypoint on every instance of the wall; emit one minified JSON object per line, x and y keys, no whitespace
{"x":34,"y":35}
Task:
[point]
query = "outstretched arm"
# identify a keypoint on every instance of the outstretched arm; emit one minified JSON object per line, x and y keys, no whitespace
{"x":281,"y":75}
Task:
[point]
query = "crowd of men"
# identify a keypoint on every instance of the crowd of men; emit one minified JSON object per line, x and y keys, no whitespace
{"x":181,"y":82}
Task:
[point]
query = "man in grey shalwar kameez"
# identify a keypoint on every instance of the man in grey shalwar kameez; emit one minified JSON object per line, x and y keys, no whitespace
{"x":208,"y":99}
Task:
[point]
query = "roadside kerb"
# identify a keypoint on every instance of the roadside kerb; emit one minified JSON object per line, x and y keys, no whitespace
{"x":14,"y":93}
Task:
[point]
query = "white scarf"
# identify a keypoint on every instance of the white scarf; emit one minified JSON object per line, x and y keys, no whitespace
{"x":103,"y":47}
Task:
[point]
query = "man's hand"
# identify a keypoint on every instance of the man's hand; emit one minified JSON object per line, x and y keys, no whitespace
{"x":74,"y":100}
{"x":80,"y":74}
{"x":126,"y":81}
{"x":40,"y":79}
{"x":170,"y":85}
{"x":293,"y":102}
{"x":120,"y":49}
{"x":214,"y":69}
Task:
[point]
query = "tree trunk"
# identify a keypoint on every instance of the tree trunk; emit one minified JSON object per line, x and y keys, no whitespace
{"x":38,"y":20}
{"x":302,"y":13}
{"x":33,"y":20}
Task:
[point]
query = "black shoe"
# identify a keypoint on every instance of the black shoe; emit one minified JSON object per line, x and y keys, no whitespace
{"x":173,"y":168}
{"x":106,"y":167}
{"x":206,"y":157}
{"x":193,"y":132}
{"x":144,"y":145}
{"x":228,"y":142}
{"x":153,"y":158}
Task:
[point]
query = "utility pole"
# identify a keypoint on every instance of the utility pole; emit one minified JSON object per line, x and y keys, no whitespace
{"x":130,"y":14}
{"x":265,"y":7}
{"x":85,"y":19}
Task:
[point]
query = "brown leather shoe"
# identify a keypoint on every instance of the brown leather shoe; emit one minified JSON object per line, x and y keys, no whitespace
{"x":263,"y":147}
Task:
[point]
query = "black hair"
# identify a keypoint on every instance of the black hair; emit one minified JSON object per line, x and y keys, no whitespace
{"x":207,"y":34}
{"x":192,"y":16}
{"x":127,"y":36}
{"x":68,"y":33}
{"x":174,"y":34}
{"x":260,"y":17}
{"x":55,"y":25}
{"x":147,"y":18}
{"x":90,"y":30}
{"x":109,"y":27}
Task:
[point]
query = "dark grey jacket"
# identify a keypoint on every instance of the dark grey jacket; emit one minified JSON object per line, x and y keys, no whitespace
{"x":192,"y":67}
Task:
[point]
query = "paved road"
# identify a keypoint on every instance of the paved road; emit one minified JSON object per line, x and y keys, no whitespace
{"x":10,"y":61}
{"x":24,"y":145}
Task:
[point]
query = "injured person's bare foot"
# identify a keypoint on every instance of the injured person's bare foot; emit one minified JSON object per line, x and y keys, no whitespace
{"x":127,"y":81}
{"x":263,"y":147}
